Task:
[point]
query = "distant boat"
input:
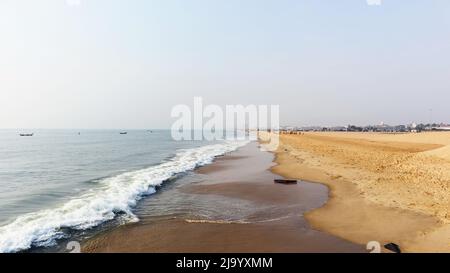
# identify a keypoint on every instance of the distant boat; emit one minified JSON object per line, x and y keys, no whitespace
{"x":123,"y":133}
{"x":27,"y":134}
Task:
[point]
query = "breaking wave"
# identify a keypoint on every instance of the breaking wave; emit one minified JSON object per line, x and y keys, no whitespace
{"x":115,"y":195}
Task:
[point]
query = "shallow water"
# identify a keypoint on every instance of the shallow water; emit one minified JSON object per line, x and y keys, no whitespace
{"x":232,"y":205}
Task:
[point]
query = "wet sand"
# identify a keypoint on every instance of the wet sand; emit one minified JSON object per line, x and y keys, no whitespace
{"x":256,"y":215}
{"x":383,"y":187}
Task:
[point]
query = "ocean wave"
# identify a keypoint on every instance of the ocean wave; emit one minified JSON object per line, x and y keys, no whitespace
{"x":118,"y":194}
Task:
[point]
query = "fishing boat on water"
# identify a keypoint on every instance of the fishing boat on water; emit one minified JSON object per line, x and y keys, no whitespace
{"x":29,"y":135}
{"x":123,"y":133}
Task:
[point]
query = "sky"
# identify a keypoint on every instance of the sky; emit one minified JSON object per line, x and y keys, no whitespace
{"x":126,"y":64}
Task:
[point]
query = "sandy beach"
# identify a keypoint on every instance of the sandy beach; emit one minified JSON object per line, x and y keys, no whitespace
{"x":251,"y":214}
{"x":383,"y":187}
{"x":361,"y":187}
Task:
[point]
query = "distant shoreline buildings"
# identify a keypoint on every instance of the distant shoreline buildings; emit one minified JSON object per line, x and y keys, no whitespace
{"x":382,"y":128}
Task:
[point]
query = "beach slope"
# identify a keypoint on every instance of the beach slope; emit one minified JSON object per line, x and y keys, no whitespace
{"x":383,"y":187}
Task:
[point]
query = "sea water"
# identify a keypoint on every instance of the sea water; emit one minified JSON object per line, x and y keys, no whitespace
{"x":58,"y":181}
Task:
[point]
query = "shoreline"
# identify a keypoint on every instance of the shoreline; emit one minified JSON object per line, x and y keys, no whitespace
{"x":350,"y":212}
{"x":256,"y":215}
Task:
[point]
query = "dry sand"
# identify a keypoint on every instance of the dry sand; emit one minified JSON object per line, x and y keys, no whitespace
{"x":383,"y":187}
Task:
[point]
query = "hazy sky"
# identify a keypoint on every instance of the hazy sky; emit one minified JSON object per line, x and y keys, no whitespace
{"x":125,"y":64}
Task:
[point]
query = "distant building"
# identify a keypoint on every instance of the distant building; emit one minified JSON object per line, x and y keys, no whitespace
{"x":441,"y":128}
{"x":382,"y":128}
{"x":339,"y":129}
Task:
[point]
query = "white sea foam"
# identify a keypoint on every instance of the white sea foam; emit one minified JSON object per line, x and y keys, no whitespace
{"x":118,"y":194}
